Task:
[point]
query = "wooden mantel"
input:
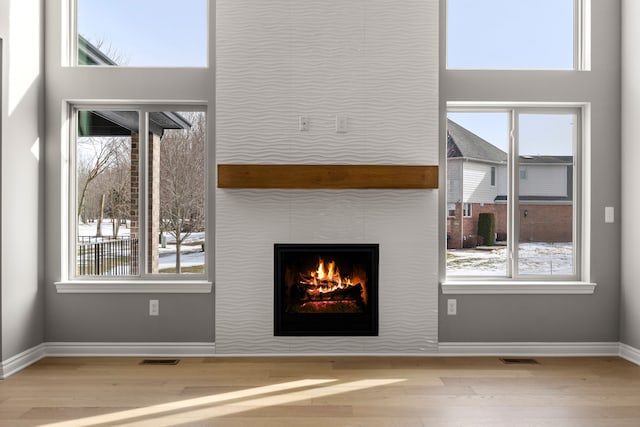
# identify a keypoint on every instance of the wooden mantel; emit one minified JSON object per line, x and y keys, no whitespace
{"x":328,"y":176}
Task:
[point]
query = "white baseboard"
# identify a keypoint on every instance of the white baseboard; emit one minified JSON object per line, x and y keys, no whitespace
{"x":20,"y":361}
{"x":173,"y":349}
{"x":629,"y":353}
{"x":529,"y":349}
{"x":64,"y":349}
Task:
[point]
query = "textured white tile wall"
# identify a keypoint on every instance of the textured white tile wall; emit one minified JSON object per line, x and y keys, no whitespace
{"x":375,"y":62}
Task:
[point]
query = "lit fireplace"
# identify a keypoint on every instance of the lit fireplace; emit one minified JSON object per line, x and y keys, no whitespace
{"x":325,"y":289}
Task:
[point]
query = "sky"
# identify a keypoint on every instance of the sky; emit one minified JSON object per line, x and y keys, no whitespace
{"x":533,"y":34}
{"x":539,"y":134}
{"x":530,"y":34}
{"x":514,"y":34}
{"x":148,"y":32}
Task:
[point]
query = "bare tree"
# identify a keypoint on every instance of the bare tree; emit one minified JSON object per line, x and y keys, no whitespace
{"x":95,"y":156}
{"x":182,"y":186}
{"x":113,"y":187}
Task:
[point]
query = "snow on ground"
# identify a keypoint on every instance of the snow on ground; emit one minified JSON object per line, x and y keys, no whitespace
{"x":90,"y":229}
{"x":186,"y":259}
{"x":534,"y":258}
{"x":191,"y":249}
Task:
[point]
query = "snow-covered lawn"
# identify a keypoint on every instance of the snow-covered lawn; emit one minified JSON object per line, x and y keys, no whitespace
{"x":192,"y":254}
{"x":534,"y":258}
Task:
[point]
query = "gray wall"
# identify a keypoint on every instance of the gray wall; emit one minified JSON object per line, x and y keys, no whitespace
{"x":501,"y":318}
{"x":115,"y":317}
{"x":554,"y":318}
{"x":630,"y":295}
{"x":22,"y":308}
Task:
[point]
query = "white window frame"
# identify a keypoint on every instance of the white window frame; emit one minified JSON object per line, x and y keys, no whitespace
{"x":581,"y":38}
{"x":144,"y":282}
{"x":521,"y":284}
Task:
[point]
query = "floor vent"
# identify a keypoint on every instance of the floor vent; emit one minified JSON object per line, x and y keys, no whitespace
{"x":519,"y":361}
{"x":160,"y":362}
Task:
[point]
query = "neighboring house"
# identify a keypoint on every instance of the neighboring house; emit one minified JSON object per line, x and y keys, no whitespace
{"x":477,"y":183}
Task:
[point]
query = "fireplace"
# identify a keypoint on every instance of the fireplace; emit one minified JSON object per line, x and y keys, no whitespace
{"x":326,"y":289}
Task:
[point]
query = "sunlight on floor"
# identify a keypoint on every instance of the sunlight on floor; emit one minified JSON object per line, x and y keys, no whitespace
{"x":204,"y":408}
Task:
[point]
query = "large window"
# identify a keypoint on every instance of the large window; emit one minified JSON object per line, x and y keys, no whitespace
{"x":518,"y":171}
{"x":138,"y":203}
{"x":515,"y":34}
{"x":141,"y":33}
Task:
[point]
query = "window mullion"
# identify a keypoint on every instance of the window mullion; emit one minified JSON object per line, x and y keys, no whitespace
{"x":143,"y":153}
{"x":513,"y":191}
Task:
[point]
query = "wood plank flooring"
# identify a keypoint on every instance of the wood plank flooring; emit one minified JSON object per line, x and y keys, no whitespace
{"x":323,"y":391}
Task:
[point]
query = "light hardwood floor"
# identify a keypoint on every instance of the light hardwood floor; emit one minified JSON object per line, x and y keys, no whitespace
{"x":323,"y":391}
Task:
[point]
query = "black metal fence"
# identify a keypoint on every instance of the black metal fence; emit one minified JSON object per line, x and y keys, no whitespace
{"x":107,"y":256}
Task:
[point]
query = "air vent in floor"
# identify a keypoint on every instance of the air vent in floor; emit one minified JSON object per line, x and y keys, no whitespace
{"x":518,"y":361}
{"x":160,"y":362}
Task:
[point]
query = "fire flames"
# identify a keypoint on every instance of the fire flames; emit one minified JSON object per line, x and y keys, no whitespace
{"x":326,"y":282}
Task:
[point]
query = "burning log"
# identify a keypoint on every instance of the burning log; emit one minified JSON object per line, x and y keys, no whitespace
{"x":314,"y":293}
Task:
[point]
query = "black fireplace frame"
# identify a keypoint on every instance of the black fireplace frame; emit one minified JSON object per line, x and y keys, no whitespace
{"x":326,"y":324}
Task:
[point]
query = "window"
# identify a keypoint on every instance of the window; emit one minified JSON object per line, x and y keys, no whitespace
{"x":138,"y":199}
{"x":523,"y":173}
{"x":142,"y":33}
{"x":466,"y":210}
{"x":451,"y":209}
{"x":493,"y":176}
{"x":517,"y":34}
{"x":534,"y":218}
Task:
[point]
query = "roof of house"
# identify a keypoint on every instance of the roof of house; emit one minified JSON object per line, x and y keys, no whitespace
{"x":104,"y":123}
{"x":550,"y":160}
{"x":463,"y":143}
{"x":89,"y":54}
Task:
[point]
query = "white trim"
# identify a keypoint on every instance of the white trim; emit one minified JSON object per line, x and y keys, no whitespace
{"x":22,"y":360}
{"x":629,"y":353}
{"x":478,"y":287}
{"x":66,"y":349}
{"x":133,"y":287}
{"x":529,"y":349}
{"x":96,"y":349}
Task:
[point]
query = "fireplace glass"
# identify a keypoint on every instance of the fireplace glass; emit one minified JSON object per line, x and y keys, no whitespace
{"x":326,"y":289}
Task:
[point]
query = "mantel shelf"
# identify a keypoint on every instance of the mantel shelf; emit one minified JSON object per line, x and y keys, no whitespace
{"x":328,"y":176}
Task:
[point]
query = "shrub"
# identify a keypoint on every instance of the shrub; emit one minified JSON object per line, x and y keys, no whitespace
{"x":487,"y":228}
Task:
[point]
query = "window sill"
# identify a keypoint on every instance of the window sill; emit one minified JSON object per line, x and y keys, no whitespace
{"x":479,"y":287}
{"x":134,"y":287}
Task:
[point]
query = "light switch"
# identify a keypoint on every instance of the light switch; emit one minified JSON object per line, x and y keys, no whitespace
{"x":609,"y":215}
{"x":341,"y":124}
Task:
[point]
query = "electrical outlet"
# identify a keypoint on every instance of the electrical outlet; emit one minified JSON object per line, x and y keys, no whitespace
{"x":341,"y":124}
{"x":452,"y":307}
{"x":303,"y":123}
{"x":609,"y":216}
{"x":154,"y":307}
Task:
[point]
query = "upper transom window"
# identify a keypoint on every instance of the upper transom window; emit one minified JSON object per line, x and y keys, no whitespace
{"x":142,"y":33}
{"x":514,"y":34}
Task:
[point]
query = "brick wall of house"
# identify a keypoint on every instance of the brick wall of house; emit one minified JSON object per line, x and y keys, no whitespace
{"x":153,"y":212}
{"x":542,"y":223}
{"x":546,"y":223}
